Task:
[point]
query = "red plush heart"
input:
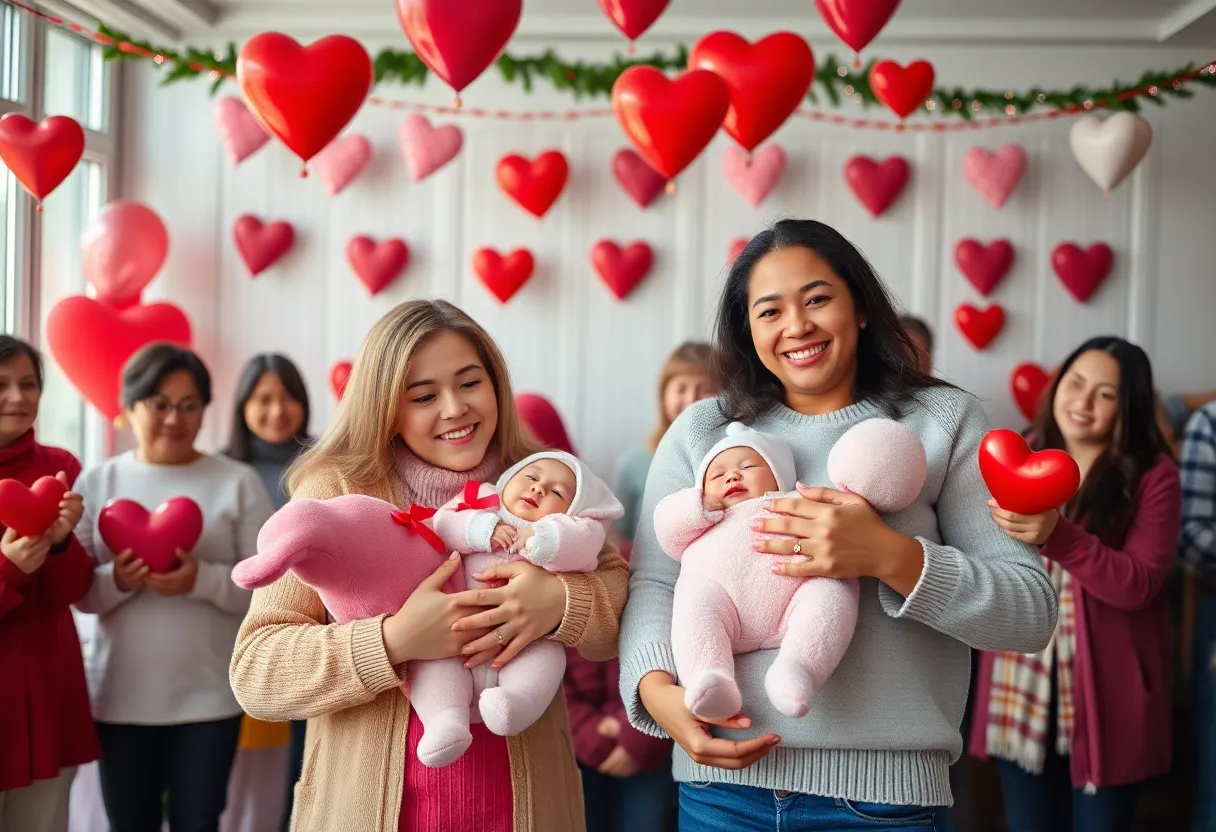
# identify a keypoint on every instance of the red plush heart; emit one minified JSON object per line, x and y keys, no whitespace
{"x":40,"y":155}
{"x":304,"y":95}
{"x":767,"y":81}
{"x":1026,"y":482}
{"x":30,"y":510}
{"x":535,"y":185}
{"x":153,"y":537}
{"x":980,"y":327}
{"x":983,"y":266}
{"x":876,"y":185}
{"x":1028,"y":382}
{"x":670,"y":121}
{"x":91,"y":341}
{"x":638,"y":179}
{"x":377,"y":264}
{"x":1082,"y":272}
{"x":903,"y":89}
{"x":503,"y":276}
{"x":262,"y":244}
{"x":458,"y":40}
{"x":856,"y":22}
{"x":339,"y":374}
{"x":622,"y":269}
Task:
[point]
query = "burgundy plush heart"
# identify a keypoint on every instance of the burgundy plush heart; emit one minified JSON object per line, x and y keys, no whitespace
{"x":876,"y":185}
{"x":262,"y":244}
{"x":983,"y":265}
{"x":1082,"y":272}
{"x":622,"y":269}
{"x":638,"y":179}
{"x":30,"y":510}
{"x":153,"y":537}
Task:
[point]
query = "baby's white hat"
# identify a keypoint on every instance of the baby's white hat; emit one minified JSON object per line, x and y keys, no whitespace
{"x":775,"y":452}
{"x":593,"y":498}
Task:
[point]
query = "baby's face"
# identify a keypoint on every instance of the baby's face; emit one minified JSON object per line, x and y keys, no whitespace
{"x":545,"y":487}
{"x":735,"y":475}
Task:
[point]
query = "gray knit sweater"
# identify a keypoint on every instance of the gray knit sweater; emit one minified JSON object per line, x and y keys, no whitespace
{"x":885,"y":726}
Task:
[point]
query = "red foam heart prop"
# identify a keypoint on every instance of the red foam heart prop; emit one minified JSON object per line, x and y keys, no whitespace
{"x":377,"y":264}
{"x":1023,"y":481}
{"x":458,"y":40}
{"x":638,"y":179}
{"x":767,"y":80}
{"x":669,"y":121}
{"x":979,"y":326}
{"x":1082,"y":272}
{"x":856,"y":22}
{"x":622,"y":269}
{"x":30,"y":510}
{"x":40,"y":155}
{"x":91,"y":341}
{"x":876,"y":185}
{"x":903,"y":89}
{"x":536,"y":184}
{"x":983,"y":265}
{"x":503,"y":276}
{"x":1028,"y":381}
{"x":153,"y":537}
{"x":339,"y":375}
{"x":304,"y":95}
{"x":262,"y":244}
{"x":736,"y":248}
{"x":633,"y":17}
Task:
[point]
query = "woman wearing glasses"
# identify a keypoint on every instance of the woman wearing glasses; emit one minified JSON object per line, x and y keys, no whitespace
{"x":158,"y":670}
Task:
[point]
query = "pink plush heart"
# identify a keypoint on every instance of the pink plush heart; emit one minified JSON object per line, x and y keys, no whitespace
{"x":239,"y":131}
{"x":1082,"y":272}
{"x":426,"y":149}
{"x":994,"y":175}
{"x":755,"y":177}
{"x":637,"y":179}
{"x":341,"y":161}
{"x":153,"y":537}
{"x":377,"y":264}
{"x":261,"y":245}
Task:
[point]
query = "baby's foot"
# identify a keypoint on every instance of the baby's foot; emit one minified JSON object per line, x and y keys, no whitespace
{"x":507,"y":713}
{"x":790,"y":688}
{"x":713,"y":695}
{"x":443,"y":741}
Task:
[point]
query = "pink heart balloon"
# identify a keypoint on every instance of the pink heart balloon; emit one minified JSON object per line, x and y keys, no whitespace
{"x":341,"y":161}
{"x":123,"y":248}
{"x":753,"y":175}
{"x":262,"y":244}
{"x":239,"y":131}
{"x":377,"y":264}
{"x":154,"y":537}
{"x":426,"y":149}
{"x":994,"y":175}
{"x":639,"y":180}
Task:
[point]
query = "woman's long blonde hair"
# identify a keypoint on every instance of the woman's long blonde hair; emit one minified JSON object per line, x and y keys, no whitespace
{"x":358,"y":446}
{"x":689,"y":359}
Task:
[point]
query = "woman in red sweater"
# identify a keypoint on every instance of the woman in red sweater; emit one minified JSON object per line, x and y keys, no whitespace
{"x":46,"y":728}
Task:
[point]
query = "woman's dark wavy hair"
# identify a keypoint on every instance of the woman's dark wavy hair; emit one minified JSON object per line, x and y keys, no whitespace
{"x":887,"y":366}
{"x":1106,"y":500}
{"x":240,"y":436}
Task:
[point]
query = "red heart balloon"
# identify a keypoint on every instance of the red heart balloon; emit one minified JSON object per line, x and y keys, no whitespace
{"x":902,"y":89}
{"x":304,"y":95}
{"x":638,"y":179}
{"x":856,"y":22}
{"x":980,"y":327}
{"x":983,"y":265}
{"x":122,"y":249}
{"x":377,"y":265}
{"x":1028,"y":382}
{"x":622,"y":269}
{"x":153,"y":537}
{"x":339,"y":375}
{"x":1082,"y":272}
{"x":1024,"y":482}
{"x":30,"y":510}
{"x":503,"y":276}
{"x":633,"y":17}
{"x":767,"y":81}
{"x":262,"y":244}
{"x":91,"y":341}
{"x":458,"y":40}
{"x":876,"y":185}
{"x":670,"y":121}
{"x":535,"y":185}
{"x":40,"y":155}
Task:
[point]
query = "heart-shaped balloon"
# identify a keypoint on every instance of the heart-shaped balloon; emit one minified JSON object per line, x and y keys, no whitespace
{"x":427,"y":149}
{"x":240,"y":133}
{"x":622,"y":269}
{"x":1082,"y":272}
{"x":979,"y":326}
{"x":633,"y":17}
{"x":1110,"y":150}
{"x":669,"y":121}
{"x":503,"y":276}
{"x":30,"y":510}
{"x":1028,"y":381}
{"x":994,"y":175}
{"x":91,"y":341}
{"x":153,"y":537}
{"x":639,"y":180}
{"x":339,"y":375}
{"x":262,"y":244}
{"x":753,"y":176}
{"x":377,"y":264}
{"x":122,"y":249}
{"x":983,"y":265}
{"x":1023,"y":481}
{"x":534,"y":185}
{"x":876,"y":185}
{"x":902,"y":89}
{"x":341,"y":161}
{"x":304,"y":95}
{"x":767,"y":81}
{"x":457,"y":41}
{"x":736,"y":248}
{"x":40,"y":155}
{"x":856,"y":22}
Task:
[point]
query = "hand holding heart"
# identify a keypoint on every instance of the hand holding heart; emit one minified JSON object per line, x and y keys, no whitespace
{"x":1028,"y":528}
{"x":178,"y":581}
{"x":71,"y":509}
{"x":26,"y":553}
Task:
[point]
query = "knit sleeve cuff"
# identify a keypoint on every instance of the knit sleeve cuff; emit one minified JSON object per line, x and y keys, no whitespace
{"x":10,"y":574}
{"x":931,"y":597}
{"x":642,"y":660}
{"x":481,"y":529}
{"x":578,"y":609}
{"x":370,"y":658}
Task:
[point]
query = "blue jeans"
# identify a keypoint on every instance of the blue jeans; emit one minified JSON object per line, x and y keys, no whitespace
{"x":644,"y":802}
{"x":718,"y":807}
{"x":1042,"y":802}
{"x":1204,"y":681}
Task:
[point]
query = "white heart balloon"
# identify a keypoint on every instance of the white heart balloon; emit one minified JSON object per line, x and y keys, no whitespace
{"x":1109,"y":150}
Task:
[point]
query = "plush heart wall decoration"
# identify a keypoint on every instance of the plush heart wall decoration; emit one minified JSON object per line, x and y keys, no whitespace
{"x":339,"y":375}
{"x":261,"y":245}
{"x":876,"y":185}
{"x":341,"y":161}
{"x":1026,"y":482}
{"x":427,"y":149}
{"x":902,"y":89}
{"x":377,"y":264}
{"x":503,"y":276}
{"x":535,"y":185}
{"x":856,"y":22}
{"x":994,"y":176}
{"x":122,"y":249}
{"x":40,"y":155}
{"x":153,"y":537}
{"x":239,"y":131}
{"x":1082,"y":272}
{"x":1110,"y":150}
{"x":458,"y":40}
{"x":736,"y":248}
{"x":1028,"y":381}
{"x":622,"y":269}
{"x":633,"y":17}
{"x":980,"y":327}
{"x":983,"y":265}
{"x":30,"y":510}
{"x":639,"y":180}
{"x":753,"y":176}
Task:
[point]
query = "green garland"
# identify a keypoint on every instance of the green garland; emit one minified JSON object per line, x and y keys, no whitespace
{"x":834,"y":81}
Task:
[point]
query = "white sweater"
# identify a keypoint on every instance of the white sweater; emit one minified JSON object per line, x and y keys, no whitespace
{"x":159,"y":660}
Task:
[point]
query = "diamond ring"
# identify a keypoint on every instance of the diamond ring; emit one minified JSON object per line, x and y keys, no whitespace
{"x":499,"y":638}
{"x":797,"y":547}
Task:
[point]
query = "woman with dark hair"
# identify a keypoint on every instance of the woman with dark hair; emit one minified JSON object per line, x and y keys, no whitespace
{"x":808,"y":344}
{"x":158,"y":671}
{"x":1086,"y":720}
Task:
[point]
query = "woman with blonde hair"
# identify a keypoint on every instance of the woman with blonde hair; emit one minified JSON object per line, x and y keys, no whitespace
{"x":427,"y":408}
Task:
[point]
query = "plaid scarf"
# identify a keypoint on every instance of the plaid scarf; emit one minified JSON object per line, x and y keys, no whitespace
{"x":1020,"y":702}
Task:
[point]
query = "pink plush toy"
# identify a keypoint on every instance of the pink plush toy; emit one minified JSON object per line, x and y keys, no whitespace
{"x":728,"y":601}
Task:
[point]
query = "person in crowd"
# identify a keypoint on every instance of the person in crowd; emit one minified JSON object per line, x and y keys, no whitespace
{"x":922,"y":338}
{"x":427,"y":408}
{"x":46,"y":729}
{"x":1179,"y":407}
{"x":158,"y":671}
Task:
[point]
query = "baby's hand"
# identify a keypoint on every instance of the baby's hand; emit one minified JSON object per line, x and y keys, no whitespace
{"x":711,"y":503}
{"x":503,"y":537}
{"x":522,"y":536}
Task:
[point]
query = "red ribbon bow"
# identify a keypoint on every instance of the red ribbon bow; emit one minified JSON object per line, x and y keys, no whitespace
{"x":470,"y":501}
{"x":412,"y":518}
